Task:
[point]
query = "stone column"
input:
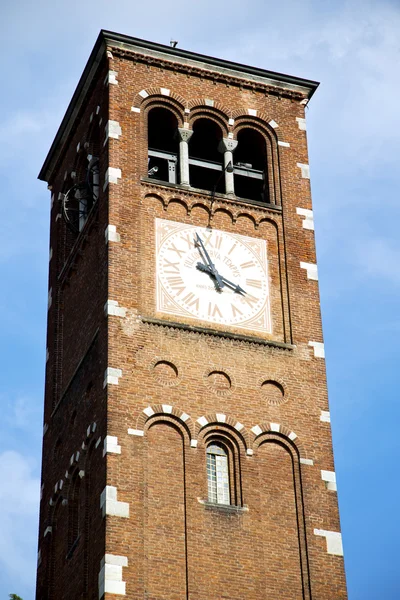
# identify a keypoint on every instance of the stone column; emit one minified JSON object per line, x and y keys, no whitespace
{"x":228,"y":146}
{"x":184,"y":136}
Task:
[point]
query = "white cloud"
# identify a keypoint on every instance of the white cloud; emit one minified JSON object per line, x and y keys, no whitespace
{"x":19,"y":497}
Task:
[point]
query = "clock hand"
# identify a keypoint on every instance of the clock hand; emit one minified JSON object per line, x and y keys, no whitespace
{"x":225,"y":281}
{"x":199,"y":242}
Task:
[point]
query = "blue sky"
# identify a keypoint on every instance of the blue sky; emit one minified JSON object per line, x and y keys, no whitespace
{"x":352,"y":47}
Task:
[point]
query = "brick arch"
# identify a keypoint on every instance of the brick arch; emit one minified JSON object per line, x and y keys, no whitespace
{"x":260,"y":122}
{"x":246,"y":215}
{"x":263,"y":430}
{"x":205,"y":112}
{"x":197,"y":204}
{"x":223,"y":210}
{"x":211,"y":420}
{"x":158,"y":197}
{"x":159,"y":411}
{"x":268,"y":220}
{"x":145,"y":94}
{"x":205,"y":103}
{"x":164,"y":102}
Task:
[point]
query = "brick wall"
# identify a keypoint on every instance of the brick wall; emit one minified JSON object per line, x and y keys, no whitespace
{"x":171,"y":389}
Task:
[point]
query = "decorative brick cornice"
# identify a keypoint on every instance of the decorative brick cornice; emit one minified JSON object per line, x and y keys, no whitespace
{"x":235,"y":207}
{"x":219,"y":77}
{"x":235,"y":337}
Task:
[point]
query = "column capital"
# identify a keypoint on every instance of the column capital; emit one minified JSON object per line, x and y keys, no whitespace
{"x":184,"y":135}
{"x":227,"y":145}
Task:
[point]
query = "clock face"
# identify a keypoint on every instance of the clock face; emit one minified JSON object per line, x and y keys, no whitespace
{"x":212,"y":275}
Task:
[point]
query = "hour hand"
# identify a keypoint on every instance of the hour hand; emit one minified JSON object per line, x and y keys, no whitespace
{"x":206,"y":258}
{"x":206,"y":269}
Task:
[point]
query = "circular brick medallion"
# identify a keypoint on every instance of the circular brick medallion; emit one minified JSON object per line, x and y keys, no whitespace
{"x":219,"y":381}
{"x":165,"y":372}
{"x":273,"y":391}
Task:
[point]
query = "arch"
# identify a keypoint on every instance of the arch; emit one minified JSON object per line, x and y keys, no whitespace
{"x":250,"y":132}
{"x":166,"y":95}
{"x":165,"y":508}
{"x":159,"y":411}
{"x":246,"y":215}
{"x":260,"y":119}
{"x":163,"y":146}
{"x":222,"y":420}
{"x":207,"y":104}
{"x":211,"y":114}
{"x":262,"y":432}
{"x":234,"y":444}
{"x":282,"y":516}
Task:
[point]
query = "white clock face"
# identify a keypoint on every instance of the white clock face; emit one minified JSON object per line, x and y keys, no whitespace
{"x":212,"y":275}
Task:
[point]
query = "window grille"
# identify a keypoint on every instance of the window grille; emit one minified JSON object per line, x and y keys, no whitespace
{"x":218,"y":474}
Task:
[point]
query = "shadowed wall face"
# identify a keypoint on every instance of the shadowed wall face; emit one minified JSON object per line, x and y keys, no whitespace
{"x":165,"y":536}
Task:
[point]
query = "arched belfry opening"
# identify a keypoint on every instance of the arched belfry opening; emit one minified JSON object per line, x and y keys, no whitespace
{"x":162,"y":144}
{"x":250,"y":164}
{"x":205,"y":158}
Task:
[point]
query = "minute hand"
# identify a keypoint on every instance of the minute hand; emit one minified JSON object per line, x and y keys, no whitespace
{"x":234,"y":286}
{"x":211,"y":265}
{"x":226,"y":281}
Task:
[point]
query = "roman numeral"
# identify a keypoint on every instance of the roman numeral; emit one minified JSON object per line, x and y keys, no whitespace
{"x":235,"y":311}
{"x":254,"y":283}
{"x":214,"y":242}
{"x":186,"y":238}
{"x":218,"y":242}
{"x":191,"y":300}
{"x":173,"y":248}
{"x":213,"y":310}
{"x":251,"y":300}
{"x":232,"y":249}
{"x":174,"y":267}
{"x":247,"y":265}
{"x":177,"y":284}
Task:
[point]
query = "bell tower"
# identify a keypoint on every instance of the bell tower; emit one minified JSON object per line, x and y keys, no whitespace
{"x":187,"y":448}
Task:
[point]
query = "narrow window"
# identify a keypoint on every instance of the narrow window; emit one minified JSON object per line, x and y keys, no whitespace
{"x":218,"y":474}
{"x":162,"y":145}
{"x":250,"y":168}
{"x":205,"y":160}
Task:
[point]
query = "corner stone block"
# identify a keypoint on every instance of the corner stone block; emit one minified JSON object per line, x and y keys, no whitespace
{"x":111,"y":376}
{"x":111,"y":308}
{"x":325,"y":416}
{"x":301,"y":123}
{"x":111,"y":445}
{"x":329,"y":477}
{"x":312,"y":270}
{"x":112,"y":175}
{"x":111,"y":234}
{"x":110,"y":505}
{"x":333,"y":541}
{"x":308,"y":221}
{"x":305,"y":170}
{"x":113,"y":130}
{"x":319,"y":349}
{"x":110,"y":576}
{"x":111,"y":78}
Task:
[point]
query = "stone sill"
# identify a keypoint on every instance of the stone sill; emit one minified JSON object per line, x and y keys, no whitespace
{"x":224,"y":508}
